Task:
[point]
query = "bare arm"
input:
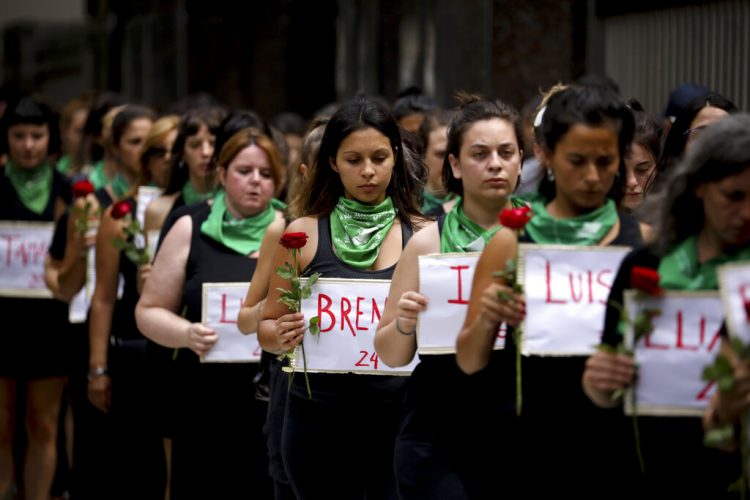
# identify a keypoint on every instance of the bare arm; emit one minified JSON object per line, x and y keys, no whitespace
{"x":157,"y":311}
{"x":249,"y":315}
{"x":71,"y":275}
{"x":103,"y":306}
{"x":395,"y":339}
{"x":280,"y":329}
{"x":486,"y":310}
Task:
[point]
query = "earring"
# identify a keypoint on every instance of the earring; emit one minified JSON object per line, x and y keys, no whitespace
{"x":550,"y":175}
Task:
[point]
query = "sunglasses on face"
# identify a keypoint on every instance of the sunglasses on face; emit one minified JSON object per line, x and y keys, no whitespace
{"x":158,"y":152}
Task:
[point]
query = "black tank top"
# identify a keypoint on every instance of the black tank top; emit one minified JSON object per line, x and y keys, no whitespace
{"x":369,"y":390}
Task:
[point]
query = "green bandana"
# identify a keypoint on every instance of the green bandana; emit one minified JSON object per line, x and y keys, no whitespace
{"x":358,"y":230}
{"x":680,"y":270}
{"x":241,"y":235}
{"x":278,"y":205}
{"x":430,"y":202}
{"x":461,"y":234}
{"x":63,"y":165}
{"x":120,"y":186}
{"x":583,"y":230}
{"x":98,"y":178}
{"x":191,"y":196}
{"x":33,"y":185}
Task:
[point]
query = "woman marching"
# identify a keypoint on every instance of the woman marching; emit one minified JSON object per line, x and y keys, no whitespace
{"x":482,"y":166}
{"x":216,"y":244}
{"x":32,"y":359}
{"x":586,"y":133}
{"x":702,"y":221}
{"x":360,"y":183}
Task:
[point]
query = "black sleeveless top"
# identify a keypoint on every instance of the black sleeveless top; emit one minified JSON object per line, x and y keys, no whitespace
{"x":369,"y":390}
{"x":555,"y":382}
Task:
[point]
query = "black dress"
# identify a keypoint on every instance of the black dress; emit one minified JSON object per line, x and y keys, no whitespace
{"x":218,"y":449}
{"x":438,"y":446}
{"x":37,"y":348}
{"x":677,"y":464}
{"x":340,"y":443}
{"x":561,"y":429}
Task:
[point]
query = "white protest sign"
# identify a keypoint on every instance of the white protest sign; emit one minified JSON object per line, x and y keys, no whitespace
{"x":735,"y":294}
{"x":445,"y":279}
{"x":566,"y":289}
{"x":671,"y":359}
{"x":79,"y":306}
{"x":146,"y":194}
{"x":349,"y":312}
{"x":221,"y":304}
{"x":23,"y":249}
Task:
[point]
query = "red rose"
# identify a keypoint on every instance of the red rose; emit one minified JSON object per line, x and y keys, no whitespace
{"x":121,"y":209}
{"x":645,"y":279}
{"x":515,"y":218}
{"x":293,"y":240}
{"x":82,"y":188}
{"x":747,"y":310}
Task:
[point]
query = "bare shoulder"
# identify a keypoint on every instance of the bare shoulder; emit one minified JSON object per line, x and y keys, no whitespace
{"x":161,"y":206}
{"x":647,"y":232}
{"x":426,"y":240}
{"x":419,"y":222}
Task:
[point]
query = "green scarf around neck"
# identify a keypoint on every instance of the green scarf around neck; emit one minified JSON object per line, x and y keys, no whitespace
{"x":461,"y":234}
{"x":358,"y":230}
{"x":98,"y":178}
{"x":64,"y":165}
{"x":120,"y":185}
{"x":430,"y":202}
{"x":241,"y":235}
{"x":680,"y":270}
{"x":584,"y":230}
{"x":33,"y":185}
{"x":191,"y":196}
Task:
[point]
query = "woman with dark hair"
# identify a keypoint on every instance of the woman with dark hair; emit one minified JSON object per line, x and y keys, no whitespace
{"x":692,"y":120}
{"x":482,"y":166}
{"x":193,"y":177}
{"x":433,"y":132}
{"x":360,"y":212}
{"x":32,"y":358}
{"x":641,"y":159}
{"x":703,"y":221}
{"x":586,"y":132}
{"x":226,"y":457}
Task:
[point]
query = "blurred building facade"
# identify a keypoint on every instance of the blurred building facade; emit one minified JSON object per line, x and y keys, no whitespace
{"x":299,"y":55}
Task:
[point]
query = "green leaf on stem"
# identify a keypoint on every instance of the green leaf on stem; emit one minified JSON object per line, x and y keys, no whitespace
{"x":315,"y":326}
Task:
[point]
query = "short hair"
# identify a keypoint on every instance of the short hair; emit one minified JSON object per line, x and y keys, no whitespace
{"x":412,"y":100}
{"x":249,"y":137}
{"x":723,"y":150}
{"x":31,"y":110}
{"x":474,"y":109}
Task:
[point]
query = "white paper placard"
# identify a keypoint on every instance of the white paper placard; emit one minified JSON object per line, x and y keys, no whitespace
{"x":735,"y":294}
{"x":79,"y":306}
{"x":446,"y":279}
{"x":671,"y":359}
{"x":566,"y":289}
{"x":23,"y":249}
{"x":349,"y":312}
{"x":146,"y":194}
{"x":220,"y":306}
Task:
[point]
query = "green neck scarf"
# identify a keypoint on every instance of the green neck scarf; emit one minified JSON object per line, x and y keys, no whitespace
{"x":278,"y":205}
{"x":191,"y":196}
{"x":33,"y":185}
{"x":583,"y":230}
{"x":430,"y":202}
{"x":241,"y":235}
{"x":120,"y":185}
{"x":461,"y":234}
{"x":98,"y":178}
{"x":680,"y":270}
{"x":63,"y":165}
{"x":358,"y":230}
